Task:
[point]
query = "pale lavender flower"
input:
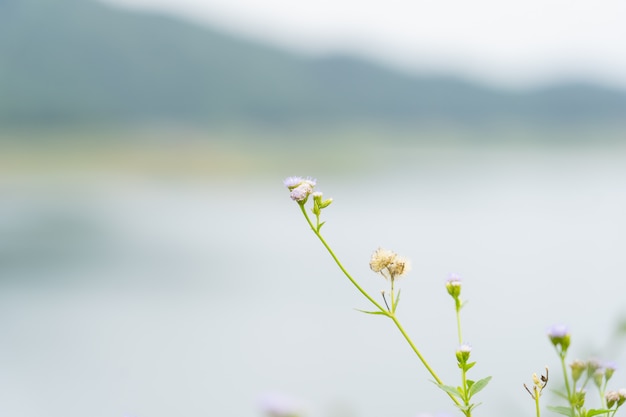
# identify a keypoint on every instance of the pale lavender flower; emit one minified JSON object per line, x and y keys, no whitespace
{"x":453,"y":285}
{"x":463,"y":353}
{"x":465,"y":347}
{"x":279,"y":405}
{"x":301,"y":192}
{"x":558,"y":331}
{"x":293,"y":182}
{"x":454,"y":279}
{"x":611,"y":398}
{"x":560,"y":337}
{"x":609,"y":369}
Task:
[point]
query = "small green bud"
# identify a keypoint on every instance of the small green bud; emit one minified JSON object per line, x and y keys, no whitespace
{"x":592,"y":366}
{"x":609,"y":369}
{"x":622,"y":396}
{"x":578,"y":368}
{"x":463,"y":353}
{"x":578,"y":399}
{"x":598,"y":377}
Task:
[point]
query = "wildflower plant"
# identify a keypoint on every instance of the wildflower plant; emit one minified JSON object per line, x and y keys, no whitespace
{"x":580,"y":375}
{"x":392,"y":266}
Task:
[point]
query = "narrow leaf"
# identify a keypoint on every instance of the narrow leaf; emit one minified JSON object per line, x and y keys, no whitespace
{"x":592,"y":412}
{"x":395,"y":303}
{"x":450,"y":390}
{"x":478,"y":386}
{"x":380,"y":313}
{"x":469,"y":366}
{"x":560,"y":394}
{"x":566,"y":411}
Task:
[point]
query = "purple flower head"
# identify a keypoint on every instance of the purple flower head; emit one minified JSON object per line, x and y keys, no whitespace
{"x":559,"y":336}
{"x":558,"y":330}
{"x":278,"y":405}
{"x":609,"y":369}
{"x":463,"y":353}
{"x":453,"y":285}
{"x":465,"y":347}
{"x":293,"y":182}
{"x":452,"y":278}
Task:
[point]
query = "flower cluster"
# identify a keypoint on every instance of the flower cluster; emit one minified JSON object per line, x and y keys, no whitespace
{"x":393,"y":266}
{"x":615,"y":398}
{"x":389,"y":264}
{"x":581,"y":373}
{"x":300,"y":188}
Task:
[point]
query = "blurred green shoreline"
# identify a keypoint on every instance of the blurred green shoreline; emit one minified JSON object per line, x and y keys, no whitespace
{"x":241,"y":152}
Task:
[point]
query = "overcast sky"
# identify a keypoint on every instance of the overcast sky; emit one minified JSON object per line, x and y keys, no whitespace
{"x":498,"y":41}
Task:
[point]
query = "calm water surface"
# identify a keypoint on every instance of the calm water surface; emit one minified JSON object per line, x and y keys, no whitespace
{"x":131,"y":297}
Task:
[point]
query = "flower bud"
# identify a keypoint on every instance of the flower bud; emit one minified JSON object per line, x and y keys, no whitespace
{"x":578,"y":368}
{"x":578,"y":399}
{"x":611,"y":397}
{"x":453,"y":285}
{"x":463,"y":353}
{"x":609,"y":369}
{"x":592,"y":366}
{"x":622,"y":396}
{"x":559,"y":336}
{"x":598,"y":377}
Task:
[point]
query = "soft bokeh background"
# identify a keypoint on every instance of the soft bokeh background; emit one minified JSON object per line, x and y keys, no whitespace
{"x":152,"y":263}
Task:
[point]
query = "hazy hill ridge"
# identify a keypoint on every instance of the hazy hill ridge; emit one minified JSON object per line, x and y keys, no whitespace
{"x":80,"y":61}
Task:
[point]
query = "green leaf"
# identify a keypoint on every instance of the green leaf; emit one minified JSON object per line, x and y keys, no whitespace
{"x":478,"y":386}
{"x":560,"y":394}
{"x":469,"y":366}
{"x":592,"y":412}
{"x":380,"y":313}
{"x":395,"y":303}
{"x":320,"y":226}
{"x":451,"y":390}
{"x":467,"y":408}
{"x":566,"y":411}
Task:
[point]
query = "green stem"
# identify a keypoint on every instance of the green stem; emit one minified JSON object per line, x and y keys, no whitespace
{"x":458,"y":323}
{"x":537,"y":409}
{"x":389,"y":314}
{"x":345,"y":272}
{"x":567,"y":386}
{"x":419,"y":355}
{"x":466,"y":398}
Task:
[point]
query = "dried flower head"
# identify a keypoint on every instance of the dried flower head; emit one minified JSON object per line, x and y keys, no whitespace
{"x":389,"y":264}
{"x":381,"y":259}
{"x":539,"y":383}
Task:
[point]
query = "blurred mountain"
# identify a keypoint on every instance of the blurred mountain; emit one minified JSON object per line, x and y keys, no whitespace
{"x":68,"y":62}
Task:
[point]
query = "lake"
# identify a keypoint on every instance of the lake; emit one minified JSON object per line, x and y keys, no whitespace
{"x":129,"y":295}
